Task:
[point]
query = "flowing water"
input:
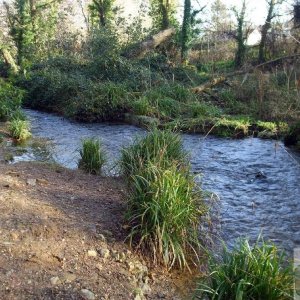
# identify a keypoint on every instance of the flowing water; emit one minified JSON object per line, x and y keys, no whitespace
{"x":257,"y":181}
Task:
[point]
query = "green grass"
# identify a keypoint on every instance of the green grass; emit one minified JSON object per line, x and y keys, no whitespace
{"x":248,"y":273}
{"x":163,"y":147}
{"x":165,"y":205}
{"x":19,"y":130}
{"x":92,"y":156}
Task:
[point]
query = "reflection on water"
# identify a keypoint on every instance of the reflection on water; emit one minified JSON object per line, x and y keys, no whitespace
{"x":258,"y":181}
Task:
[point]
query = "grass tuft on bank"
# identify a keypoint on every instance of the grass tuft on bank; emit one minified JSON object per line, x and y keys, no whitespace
{"x":92,"y":156}
{"x":248,"y":272}
{"x":165,"y":205}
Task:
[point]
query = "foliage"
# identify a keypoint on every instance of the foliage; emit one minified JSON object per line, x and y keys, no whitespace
{"x":186,"y":30}
{"x":293,"y":136}
{"x":163,"y":14}
{"x":246,"y":272}
{"x":100,"y":102}
{"x":10,"y":100}
{"x":19,"y":129}
{"x":31,"y":27}
{"x":101,"y":12}
{"x":92,"y":156}
{"x":163,"y":147}
{"x":164,"y":203}
{"x":164,"y":214}
{"x":241,"y":36}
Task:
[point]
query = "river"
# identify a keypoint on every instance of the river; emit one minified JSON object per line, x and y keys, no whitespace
{"x":257,"y":181}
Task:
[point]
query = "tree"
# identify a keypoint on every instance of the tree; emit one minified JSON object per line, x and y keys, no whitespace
{"x":31,"y":26}
{"x":189,"y":28}
{"x":220,"y":18}
{"x":101,"y":11}
{"x":163,"y":14}
{"x":242,"y":34}
{"x":186,"y":29}
{"x":265,"y":28}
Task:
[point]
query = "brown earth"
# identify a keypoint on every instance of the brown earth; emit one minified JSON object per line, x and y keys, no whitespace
{"x":61,"y":233}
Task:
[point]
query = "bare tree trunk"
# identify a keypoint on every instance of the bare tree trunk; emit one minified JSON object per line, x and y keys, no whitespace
{"x":264,"y":32}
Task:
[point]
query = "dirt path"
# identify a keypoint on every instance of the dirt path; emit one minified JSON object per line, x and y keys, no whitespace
{"x":61,"y":237}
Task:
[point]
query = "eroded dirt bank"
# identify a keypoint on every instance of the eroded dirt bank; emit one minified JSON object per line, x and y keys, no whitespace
{"x":62,"y":237}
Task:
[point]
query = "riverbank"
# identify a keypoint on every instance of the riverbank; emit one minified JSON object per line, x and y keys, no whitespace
{"x":62,"y":236}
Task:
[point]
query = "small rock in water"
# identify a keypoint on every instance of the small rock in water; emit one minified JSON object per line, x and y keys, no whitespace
{"x":92,"y":253}
{"x":31,"y":182}
{"x":87,"y":295}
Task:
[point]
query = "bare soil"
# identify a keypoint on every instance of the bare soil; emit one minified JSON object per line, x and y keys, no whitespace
{"x":56,"y":226}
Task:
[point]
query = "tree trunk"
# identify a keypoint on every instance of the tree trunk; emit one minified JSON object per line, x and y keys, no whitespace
{"x":186,"y":30}
{"x":264,"y":32}
{"x":9,"y":60}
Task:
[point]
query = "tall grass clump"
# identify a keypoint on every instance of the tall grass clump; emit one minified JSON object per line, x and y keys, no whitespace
{"x":248,"y":273}
{"x":19,"y":129}
{"x":163,"y":148}
{"x":164,"y":206}
{"x":92,"y":156}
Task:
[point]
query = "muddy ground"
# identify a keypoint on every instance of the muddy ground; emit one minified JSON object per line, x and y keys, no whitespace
{"x":62,"y":237}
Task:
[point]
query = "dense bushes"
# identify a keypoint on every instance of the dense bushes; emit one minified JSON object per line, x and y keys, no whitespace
{"x":75,"y":95}
{"x":265,"y":96}
{"x":293,"y":136}
{"x":248,"y":273}
{"x":165,"y":205}
{"x":10,"y":100}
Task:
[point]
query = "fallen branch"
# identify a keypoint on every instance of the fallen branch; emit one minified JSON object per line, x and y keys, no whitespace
{"x":141,"y":49}
{"x":215,"y":81}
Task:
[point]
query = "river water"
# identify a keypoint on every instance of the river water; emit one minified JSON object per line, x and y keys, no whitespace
{"x":257,"y":181}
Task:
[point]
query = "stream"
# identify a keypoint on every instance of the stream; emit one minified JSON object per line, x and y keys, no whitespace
{"x":257,"y":181}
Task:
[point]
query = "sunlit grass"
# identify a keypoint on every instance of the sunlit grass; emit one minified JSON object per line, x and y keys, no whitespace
{"x":165,"y":205}
{"x":248,"y":273}
{"x":19,"y":130}
{"x":92,"y":156}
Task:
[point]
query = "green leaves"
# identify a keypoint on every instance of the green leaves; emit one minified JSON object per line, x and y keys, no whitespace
{"x":92,"y":156}
{"x":164,"y":206}
{"x":248,"y":273}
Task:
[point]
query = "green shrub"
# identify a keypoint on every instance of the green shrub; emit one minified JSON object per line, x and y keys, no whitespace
{"x":10,"y":100}
{"x":163,"y":147}
{"x":101,"y":102}
{"x":142,"y":107}
{"x":165,"y":205}
{"x":164,"y":214}
{"x":293,"y":136}
{"x":248,"y":273}
{"x":19,"y":130}
{"x":173,"y":91}
{"x":202,"y":109}
{"x":92,"y":156}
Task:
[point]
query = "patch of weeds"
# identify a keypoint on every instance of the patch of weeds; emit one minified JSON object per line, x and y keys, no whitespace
{"x":19,"y":130}
{"x":92,"y":156}
{"x":165,"y":204}
{"x":248,"y":272}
